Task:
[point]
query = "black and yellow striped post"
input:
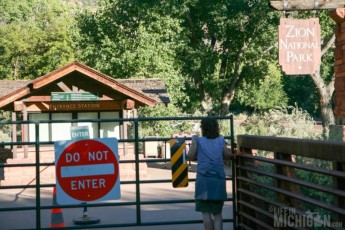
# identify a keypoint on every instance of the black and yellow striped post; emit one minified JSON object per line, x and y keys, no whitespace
{"x":179,"y":165}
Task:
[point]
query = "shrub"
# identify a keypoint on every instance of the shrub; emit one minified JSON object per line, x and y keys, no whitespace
{"x":282,"y":122}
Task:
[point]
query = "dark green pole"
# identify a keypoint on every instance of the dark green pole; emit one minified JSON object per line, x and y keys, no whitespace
{"x":137,"y":168}
{"x":233,"y":173}
{"x":38,"y":181}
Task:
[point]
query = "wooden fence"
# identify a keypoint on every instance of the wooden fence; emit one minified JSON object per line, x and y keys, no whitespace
{"x":288,"y":183}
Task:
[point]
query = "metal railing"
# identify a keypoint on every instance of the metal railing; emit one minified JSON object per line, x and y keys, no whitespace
{"x":290,"y":183}
{"x":39,"y":207}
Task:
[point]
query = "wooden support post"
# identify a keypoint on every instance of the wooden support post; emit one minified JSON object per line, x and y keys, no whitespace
{"x":124,"y":131}
{"x":126,"y":105}
{"x":243,"y":185}
{"x":14,"y":135}
{"x":339,"y":184}
{"x":294,"y":5}
{"x":25,"y":131}
{"x":288,"y":186}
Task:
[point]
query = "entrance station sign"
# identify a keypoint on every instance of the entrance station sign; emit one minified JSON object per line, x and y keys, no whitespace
{"x":87,"y":170}
{"x":299,"y":46}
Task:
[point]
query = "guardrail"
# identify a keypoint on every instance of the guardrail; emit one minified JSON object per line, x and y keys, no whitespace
{"x":290,"y":183}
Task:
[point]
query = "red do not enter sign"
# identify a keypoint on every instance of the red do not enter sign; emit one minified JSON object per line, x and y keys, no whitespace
{"x":87,"y":170}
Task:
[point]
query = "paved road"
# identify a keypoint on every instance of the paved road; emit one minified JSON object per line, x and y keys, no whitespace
{"x":114,"y":215}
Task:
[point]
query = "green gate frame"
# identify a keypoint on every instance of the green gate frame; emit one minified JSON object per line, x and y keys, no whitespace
{"x":138,"y":203}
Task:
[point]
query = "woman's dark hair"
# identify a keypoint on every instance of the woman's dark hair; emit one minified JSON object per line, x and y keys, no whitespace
{"x":209,"y":128}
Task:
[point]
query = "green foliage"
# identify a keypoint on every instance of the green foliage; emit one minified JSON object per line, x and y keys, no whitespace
{"x":262,"y":93}
{"x":301,"y":91}
{"x":200,"y":48}
{"x":285,"y":122}
{"x":222,"y":40}
{"x":193,"y":45}
{"x":316,"y":178}
{"x":35,"y":37}
{"x":5,"y":129}
{"x":133,"y":39}
{"x":83,"y":3}
{"x":289,"y":122}
{"x":162,"y":128}
{"x":204,"y":50}
{"x":4,"y":137}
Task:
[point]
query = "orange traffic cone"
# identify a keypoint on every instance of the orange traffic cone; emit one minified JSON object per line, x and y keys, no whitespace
{"x":57,"y":216}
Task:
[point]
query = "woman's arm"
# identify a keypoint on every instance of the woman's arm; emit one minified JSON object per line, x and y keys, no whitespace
{"x":191,"y":155}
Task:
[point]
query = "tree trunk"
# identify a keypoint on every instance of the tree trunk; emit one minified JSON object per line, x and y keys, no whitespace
{"x":228,"y":95}
{"x":207,"y":104}
{"x":226,"y":101}
{"x":15,"y":68}
{"x":325,"y":94}
{"x":325,"y":91}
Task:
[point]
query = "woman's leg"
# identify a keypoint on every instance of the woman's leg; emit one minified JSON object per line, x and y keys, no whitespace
{"x":207,"y":220}
{"x":218,"y":221}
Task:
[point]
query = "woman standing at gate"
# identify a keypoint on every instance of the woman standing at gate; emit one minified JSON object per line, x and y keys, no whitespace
{"x":210,"y":186}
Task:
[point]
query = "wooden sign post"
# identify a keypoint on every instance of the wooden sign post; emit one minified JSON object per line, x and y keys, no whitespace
{"x":306,"y":4}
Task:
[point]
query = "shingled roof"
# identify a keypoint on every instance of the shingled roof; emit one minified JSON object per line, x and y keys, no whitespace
{"x":154,"y":87}
{"x":9,"y":86}
{"x":147,"y":91}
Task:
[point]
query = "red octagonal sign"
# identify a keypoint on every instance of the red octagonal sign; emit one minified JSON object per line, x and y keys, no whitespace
{"x":87,"y":170}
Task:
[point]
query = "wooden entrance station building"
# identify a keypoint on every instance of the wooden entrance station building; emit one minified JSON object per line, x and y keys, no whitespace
{"x":76,"y":92}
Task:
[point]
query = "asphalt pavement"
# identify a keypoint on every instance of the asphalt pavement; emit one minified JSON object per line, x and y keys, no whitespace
{"x":26,"y":219}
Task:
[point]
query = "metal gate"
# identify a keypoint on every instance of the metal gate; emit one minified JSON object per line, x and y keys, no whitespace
{"x":146,"y":200}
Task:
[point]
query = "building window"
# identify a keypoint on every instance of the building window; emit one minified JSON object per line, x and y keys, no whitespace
{"x":43,"y":127}
{"x":61,"y":131}
{"x":110,"y":129}
{"x":93,"y":126}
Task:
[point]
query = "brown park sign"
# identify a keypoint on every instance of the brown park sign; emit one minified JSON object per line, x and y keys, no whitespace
{"x":299,"y":46}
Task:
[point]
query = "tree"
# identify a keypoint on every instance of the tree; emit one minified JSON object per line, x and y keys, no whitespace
{"x":226,"y":38}
{"x":199,"y":47}
{"x":324,"y":79}
{"x":205,"y":50}
{"x":162,"y":128}
{"x":36,"y":37}
{"x":133,"y":39}
{"x":262,"y":93}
